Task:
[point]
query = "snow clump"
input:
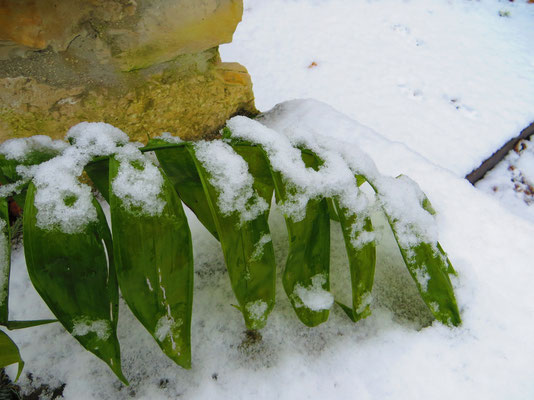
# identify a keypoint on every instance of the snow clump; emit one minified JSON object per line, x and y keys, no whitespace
{"x":332,"y":179}
{"x":61,"y":200}
{"x":19,"y":149}
{"x":313,"y":297}
{"x":260,"y":245}
{"x":307,"y":123}
{"x":230,"y":176}
{"x":138,"y":182}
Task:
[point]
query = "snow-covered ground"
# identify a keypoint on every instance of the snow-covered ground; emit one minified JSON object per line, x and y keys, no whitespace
{"x":512,"y":180}
{"x":442,"y":84}
{"x":451,"y":79}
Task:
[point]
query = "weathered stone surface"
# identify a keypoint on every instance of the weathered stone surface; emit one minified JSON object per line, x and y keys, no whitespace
{"x":145,"y":66}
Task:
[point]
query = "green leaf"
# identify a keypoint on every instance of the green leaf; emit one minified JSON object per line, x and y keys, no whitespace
{"x":71,"y":274}
{"x":5,"y":261}
{"x":9,"y":174}
{"x":362,"y":260}
{"x":332,"y":210}
{"x":247,"y":246}
{"x":9,"y":353}
{"x":179,"y":166}
{"x":308,"y":261}
{"x":98,"y":171}
{"x":154,"y":257}
{"x":258,"y":167}
{"x":13,"y":325}
{"x":429,"y":267}
{"x":362,"y":257}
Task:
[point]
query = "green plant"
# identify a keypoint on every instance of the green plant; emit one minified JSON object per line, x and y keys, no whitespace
{"x":77,"y":265}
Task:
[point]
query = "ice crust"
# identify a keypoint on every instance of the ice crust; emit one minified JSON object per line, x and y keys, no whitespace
{"x":228,"y":173}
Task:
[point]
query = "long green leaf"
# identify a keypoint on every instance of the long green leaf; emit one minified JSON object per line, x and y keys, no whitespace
{"x":9,"y":353}
{"x":13,"y":325}
{"x":307,"y":267}
{"x":361,"y":256}
{"x":8,"y":168}
{"x":429,"y":267}
{"x":71,"y":274}
{"x":5,"y":261}
{"x":179,"y":166}
{"x":362,"y":260}
{"x":259,"y":168}
{"x":98,"y":171}
{"x":154,"y":259}
{"x":247,"y":249}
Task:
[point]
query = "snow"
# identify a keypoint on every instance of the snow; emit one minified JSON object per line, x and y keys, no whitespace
{"x":165,"y":328}
{"x":169,"y":138}
{"x":20,"y":149}
{"x":62,"y":202}
{"x":228,"y":173}
{"x":256,"y":310}
{"x":259,"y":247}
{"x":434,"y":75}
{"x":314,"y":296}
{"x":512,"y":180}
{"x":84,"y":326}
{"x":97,"y":138}
{"x":138,"y":182}
{"x":445,"y":84}
{"x":308,"y":123}
{"x":333,"y":179}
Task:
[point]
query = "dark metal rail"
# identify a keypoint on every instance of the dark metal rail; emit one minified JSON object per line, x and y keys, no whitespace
{"x":496,"y":157}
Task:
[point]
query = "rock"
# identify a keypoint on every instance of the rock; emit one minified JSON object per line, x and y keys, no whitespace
{"x":145,"y":66}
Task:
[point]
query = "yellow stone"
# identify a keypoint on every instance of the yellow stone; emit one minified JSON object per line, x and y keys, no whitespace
{"x":145,"y":66}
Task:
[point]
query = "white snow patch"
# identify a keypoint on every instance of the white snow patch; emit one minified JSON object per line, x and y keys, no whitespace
{"x":84,"y":326}
{"x":97,"y":138}
{"x":314,"y":297}
{"x":422,"y":276}
{"x":165,"y":327}
{"x":367,"y":299}
{"x":138,"y":182}
{"x":166,"y":136}
{"x":307,"y":123}
{"x":19,"y":149}
{"x":228,"y":173}
{"x":256,"y":309}
{"x":512,"y":180}
{"x":333,"y":179}
{"x":258,"y":248}
{"x":63,"y":202}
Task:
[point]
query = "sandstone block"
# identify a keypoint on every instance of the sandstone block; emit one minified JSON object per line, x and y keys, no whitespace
{"x":145,"y":66}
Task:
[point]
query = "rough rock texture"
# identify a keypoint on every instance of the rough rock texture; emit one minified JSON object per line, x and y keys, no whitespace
{"x":145,"y":66}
